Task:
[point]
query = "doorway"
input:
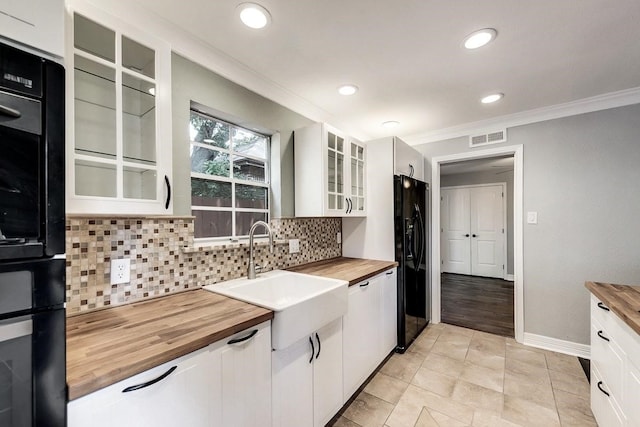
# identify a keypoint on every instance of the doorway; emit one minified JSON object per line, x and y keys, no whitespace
{"x":473,"y":237}
{"x":516,"y":153}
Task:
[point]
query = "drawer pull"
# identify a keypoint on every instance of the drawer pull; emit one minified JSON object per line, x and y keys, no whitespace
{"x":248,"y":337}
{"x":148,"y":383}
{"x":365,"y":284}
{"x":602,"y":390}
{"x":319,"y":345}
{"x":603,"y":337}
{"x":389,"y":272}
{"x":604,"y":307}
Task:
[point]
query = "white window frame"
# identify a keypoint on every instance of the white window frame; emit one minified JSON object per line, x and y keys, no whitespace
{"x":234,"y":181}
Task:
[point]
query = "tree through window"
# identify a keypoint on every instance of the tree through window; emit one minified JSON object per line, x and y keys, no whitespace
{"x":229,"y":177}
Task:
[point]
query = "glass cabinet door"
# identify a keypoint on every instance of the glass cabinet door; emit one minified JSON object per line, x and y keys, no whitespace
{"x":357,"y":177}
{"x":335,"y":171}
{"x":115,"y":154}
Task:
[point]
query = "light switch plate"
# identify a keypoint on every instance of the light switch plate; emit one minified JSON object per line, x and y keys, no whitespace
{"x":532,"y":217}
{"x":294,"y":246}
{"x":120,"y":271}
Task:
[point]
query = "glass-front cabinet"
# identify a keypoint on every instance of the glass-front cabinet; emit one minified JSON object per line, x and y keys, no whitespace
{"x":330,"y":173}
{"x":119,"y":119}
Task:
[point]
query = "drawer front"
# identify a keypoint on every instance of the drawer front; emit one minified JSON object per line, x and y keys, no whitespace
{"x":605,"y":408}
{"x":602,"y":314}
{"x":609,"y":358}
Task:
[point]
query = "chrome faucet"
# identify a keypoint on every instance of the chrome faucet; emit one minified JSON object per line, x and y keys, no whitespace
{"x":251,"y":270}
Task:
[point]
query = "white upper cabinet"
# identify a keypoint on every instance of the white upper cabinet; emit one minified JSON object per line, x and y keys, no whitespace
{"x":119,"y":116}
{"x":407,"y":161}
{"x":35,"y":23}
{"x":330,"y":173}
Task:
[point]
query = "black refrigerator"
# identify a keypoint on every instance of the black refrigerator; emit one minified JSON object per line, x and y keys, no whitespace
{"x":411,"y":247}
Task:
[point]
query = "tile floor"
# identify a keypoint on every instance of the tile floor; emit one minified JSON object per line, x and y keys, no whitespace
{"x":452,"y":376}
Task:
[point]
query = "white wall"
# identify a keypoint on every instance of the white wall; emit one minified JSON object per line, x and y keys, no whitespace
{"x":581,"y":174}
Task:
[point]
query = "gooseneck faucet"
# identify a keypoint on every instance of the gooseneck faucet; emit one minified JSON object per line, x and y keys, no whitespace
{"x":251,"y":270}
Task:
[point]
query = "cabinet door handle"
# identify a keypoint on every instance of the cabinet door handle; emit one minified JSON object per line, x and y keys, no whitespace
{"x":474,"y":235}
{"x":313,"y":349}
{"x":467,"y":235}
{"x":166,"y":181}
{"x":602,"y":389}
{"x":243,"y":339}
{"x":7,"y":111}
{"x":319,"y":345}
{"x":410,"y":170}
{"x":152,"y":382}
{"x":604,"y":307}
{"x":364,"y":285}
{"x":603,"y":337}
{"x":390,"y":272}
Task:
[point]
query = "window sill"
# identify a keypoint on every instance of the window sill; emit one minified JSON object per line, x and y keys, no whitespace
{"x":216,"y":246}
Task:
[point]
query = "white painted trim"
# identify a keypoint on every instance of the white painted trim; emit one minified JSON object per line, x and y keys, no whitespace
{"x":505,"y":256}
{"x":509,"y":277}
{"x":559,"y":346}
{"x":581,"y":106}
{"x":518,"y":259}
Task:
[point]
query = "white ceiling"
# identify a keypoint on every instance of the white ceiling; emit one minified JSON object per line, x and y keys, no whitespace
{"x":407,"y":59}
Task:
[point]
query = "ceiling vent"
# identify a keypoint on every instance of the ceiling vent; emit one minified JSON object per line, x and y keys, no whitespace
{"x":494,"y":137}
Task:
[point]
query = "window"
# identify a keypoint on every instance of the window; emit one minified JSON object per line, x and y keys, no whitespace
{"x":229,"y":177}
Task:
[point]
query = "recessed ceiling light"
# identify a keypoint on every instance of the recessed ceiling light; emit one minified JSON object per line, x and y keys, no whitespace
{"x":492,"y":98}
{"x":480,"y":38}
{"x":390,"y":124}
{"x":253,"y":15}
{"x":347,"y":89}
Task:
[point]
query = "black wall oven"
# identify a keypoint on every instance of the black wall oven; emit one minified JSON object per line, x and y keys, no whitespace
{"x":32,"y":238}
{"x":32,"y":155}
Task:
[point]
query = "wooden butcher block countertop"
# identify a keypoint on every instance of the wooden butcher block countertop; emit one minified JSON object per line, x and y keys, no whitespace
{"x":353,"y":270}
{"x":624,"y":300}
{"x":107,"y":346}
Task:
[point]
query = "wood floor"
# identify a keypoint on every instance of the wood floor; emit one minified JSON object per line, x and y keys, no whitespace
{"x":480,"y":303}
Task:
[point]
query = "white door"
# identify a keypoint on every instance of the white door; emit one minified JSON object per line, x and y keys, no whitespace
{"x":327,"y":373}
{"x":454,"y":220}
{"x":487,"y":231}
{"x":473,"y":230}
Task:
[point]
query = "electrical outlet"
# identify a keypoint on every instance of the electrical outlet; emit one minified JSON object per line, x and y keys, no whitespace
{"x":120,"y":271}
{"x":339,"y":238}
{"x":294,"y":246}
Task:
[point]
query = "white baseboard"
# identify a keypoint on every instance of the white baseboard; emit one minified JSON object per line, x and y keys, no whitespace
{"x":560,"y":346}
{"x":509,"y":277}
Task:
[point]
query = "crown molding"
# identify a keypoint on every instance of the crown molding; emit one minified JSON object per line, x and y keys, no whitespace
{"x":581,"y":106}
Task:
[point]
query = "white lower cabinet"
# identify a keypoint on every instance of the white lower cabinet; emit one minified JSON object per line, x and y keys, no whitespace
{"x":225,"y":384}
{"x":307,"y":379}
{"x":245,"y":379}
{"x":615,"y":376}
{"x":370,"y":332}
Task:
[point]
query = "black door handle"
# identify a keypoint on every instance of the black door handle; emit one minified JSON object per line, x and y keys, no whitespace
{"x":604,"y":307}
{"x":603,"y":390}
{"x":467,"y":235}
{"x":148,"y":383}
{"x":410,"y":170}
{"x":603,"y":337}
{"x":248,"y":337}
{"x":363,"y":285}
{"x":390,"y":272}
{"x":319,"y":345}
{"x":474,"y":235}
{"x":166,"y":181}
{"x":313,"y":350}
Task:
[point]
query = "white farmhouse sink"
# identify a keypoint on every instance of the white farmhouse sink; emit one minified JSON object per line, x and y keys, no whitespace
{"x":302,"y":303}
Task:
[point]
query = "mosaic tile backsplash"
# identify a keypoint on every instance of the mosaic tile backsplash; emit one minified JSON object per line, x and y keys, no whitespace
{"x":164,"y":260}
